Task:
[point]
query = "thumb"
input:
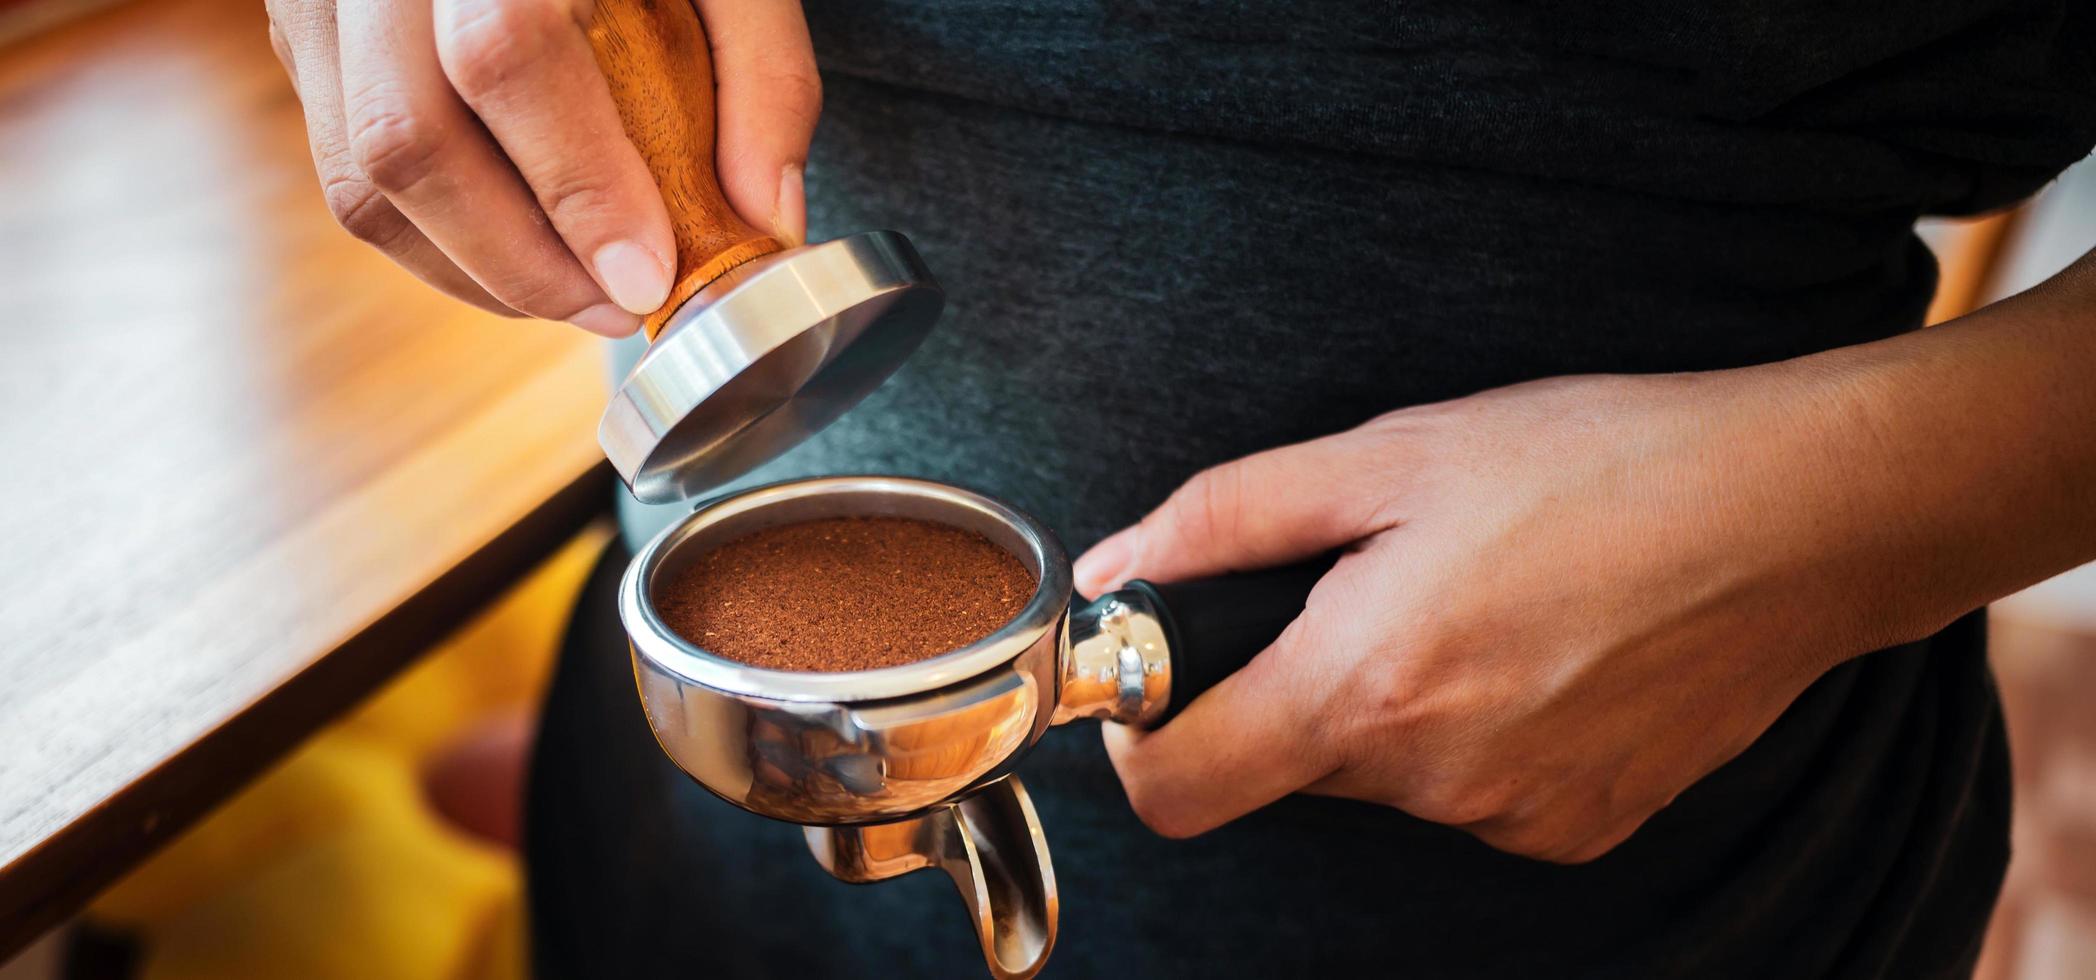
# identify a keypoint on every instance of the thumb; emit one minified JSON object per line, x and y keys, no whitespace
{"x":1266,"y":509}
{"x":768,"y":99}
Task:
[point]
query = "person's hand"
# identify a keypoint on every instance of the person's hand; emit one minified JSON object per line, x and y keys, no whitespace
{"x":475,"y":142}
{"x":1564,"y":602}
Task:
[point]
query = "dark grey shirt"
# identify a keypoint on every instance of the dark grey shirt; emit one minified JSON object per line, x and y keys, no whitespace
{"x":1175,"y":234}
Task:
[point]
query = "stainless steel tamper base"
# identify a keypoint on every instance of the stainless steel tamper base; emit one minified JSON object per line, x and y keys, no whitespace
{"x":764,"y":357}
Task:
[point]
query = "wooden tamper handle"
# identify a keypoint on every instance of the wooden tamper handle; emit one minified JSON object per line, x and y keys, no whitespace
{"x":655,"y":57}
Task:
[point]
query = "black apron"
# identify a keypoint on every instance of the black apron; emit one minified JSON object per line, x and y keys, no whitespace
{"x":1175,"y":234}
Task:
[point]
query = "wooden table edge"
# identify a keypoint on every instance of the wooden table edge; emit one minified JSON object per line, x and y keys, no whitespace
{"x":58,"y":877}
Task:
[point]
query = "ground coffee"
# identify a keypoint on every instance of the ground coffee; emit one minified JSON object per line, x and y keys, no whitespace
{"x":851,"y":593}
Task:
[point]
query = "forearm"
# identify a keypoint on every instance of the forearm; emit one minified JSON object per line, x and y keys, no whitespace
{"x":1947,"y":468}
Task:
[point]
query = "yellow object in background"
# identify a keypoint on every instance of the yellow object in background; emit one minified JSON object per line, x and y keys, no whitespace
{"x":333,"y":865}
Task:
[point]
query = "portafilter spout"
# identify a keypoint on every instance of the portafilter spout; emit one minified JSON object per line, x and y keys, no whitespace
{"x":990,"y":844}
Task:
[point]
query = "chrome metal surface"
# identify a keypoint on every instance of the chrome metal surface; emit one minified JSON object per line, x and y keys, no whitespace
{"x":990,"y":844}
{"x":907,"y":767}
{"x":1116,"y":664}
{"x":764,"y":357}
{"x":857,"y":747}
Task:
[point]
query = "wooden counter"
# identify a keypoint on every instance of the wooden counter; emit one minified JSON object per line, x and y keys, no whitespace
{"x":248,"y":469}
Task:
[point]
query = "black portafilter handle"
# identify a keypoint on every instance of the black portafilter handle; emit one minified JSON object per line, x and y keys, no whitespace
{"x":1215,"y":626}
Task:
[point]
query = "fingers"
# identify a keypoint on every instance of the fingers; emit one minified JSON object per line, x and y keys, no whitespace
{"x":305,"y":38}
{"x":526,"y":69}
{"x":1244,"y":743}
{"x":477,"y":144}
{"x":415,"y":141}
{"x":769,"y":99}
{"x":1260,"y":734}
{"x":1265,"y":509}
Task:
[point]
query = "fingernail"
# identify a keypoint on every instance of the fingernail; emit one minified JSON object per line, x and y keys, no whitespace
{"x":606,"y":319}
{"x":789,"y":214}
{"x":634,"y":277}
{"x":1105,"y":565}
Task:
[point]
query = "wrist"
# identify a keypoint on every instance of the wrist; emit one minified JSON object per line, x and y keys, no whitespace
{"x":1932,"y":473}
{"x":1810,"y":482}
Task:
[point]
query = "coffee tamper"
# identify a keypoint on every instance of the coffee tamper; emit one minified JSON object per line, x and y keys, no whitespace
{"x":901,"y":768}
{"x":758,"y":346}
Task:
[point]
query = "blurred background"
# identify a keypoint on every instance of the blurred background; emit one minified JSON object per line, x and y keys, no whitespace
{"x":169,"y":263}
